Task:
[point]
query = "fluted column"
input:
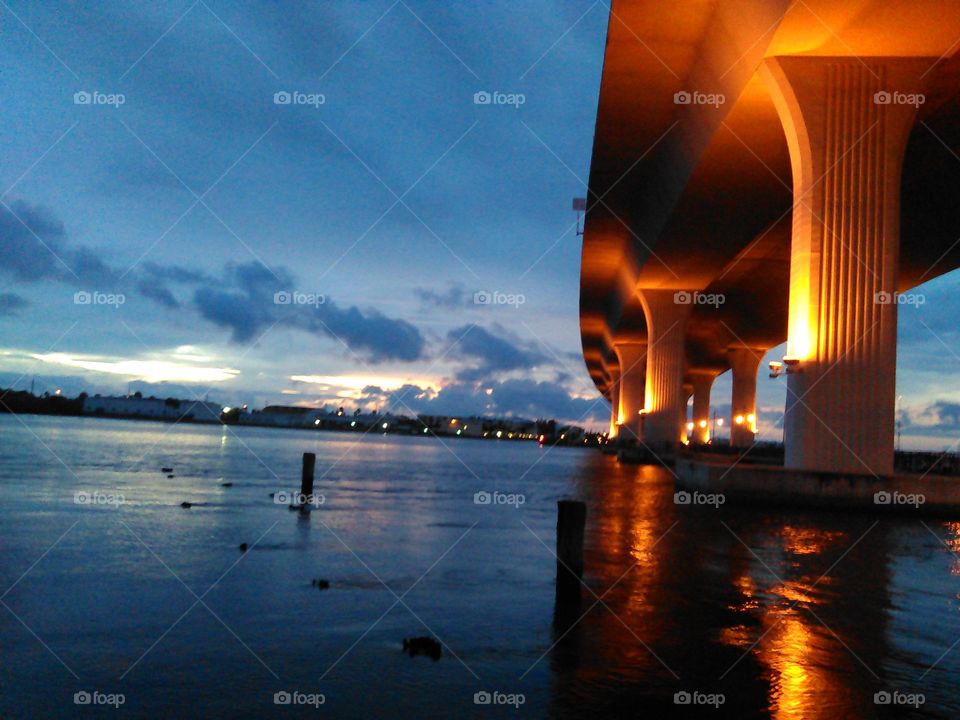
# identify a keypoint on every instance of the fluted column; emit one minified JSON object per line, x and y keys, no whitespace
{"x":702,"y":382}
{"x":846,"y":121}
{"x":666,"y":358}
{"x":614,"y":403}
{"x":744,"y":363}
{"x":632,"y":387}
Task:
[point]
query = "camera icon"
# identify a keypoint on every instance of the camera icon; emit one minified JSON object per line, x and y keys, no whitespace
{"x":682,"y":97}
{"x":682,"y":497}
{"x":282,"y":298}
{"x":482,"y":98}
{"x":283,"y":497}
{"x":482,"y":498}
{"x":882,"y":697}
{"x":82,"y":298}
{"x":81,"y":497}
{"x":282,"y":98}
{"x":482,"y":698}
{"x":881,"y":498}
{"x":82,"y":698}
{"x":482,"y":297}
{"x":282,"y":698}
{"x":884,"y":298}
{"x":82,"y":97}
{"x":683,"y":297}
{"x":882,"y":97}
{"x":682,"y":698}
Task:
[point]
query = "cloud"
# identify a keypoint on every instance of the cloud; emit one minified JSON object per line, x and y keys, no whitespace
{"x":11,"y":304}
{"x":511,"y":398}
{"x":453,"y":298}
{"x":24,"y":256}
{"x":490,"y":354}
{"x":245,"y":302}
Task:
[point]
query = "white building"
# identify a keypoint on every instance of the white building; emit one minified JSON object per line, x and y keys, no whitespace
{"x":138,"y":407}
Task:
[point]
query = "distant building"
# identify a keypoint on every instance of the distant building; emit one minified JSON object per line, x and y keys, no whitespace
{"x":138,"y":407}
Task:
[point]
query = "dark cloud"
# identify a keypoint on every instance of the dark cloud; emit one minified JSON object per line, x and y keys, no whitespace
{"x":451,"y":299}
{"x":246,"y":302}
{"x":490,"y":354}
{"x":510,"y":398}
{"x":24,"y":256}
{"x":11,"y":303}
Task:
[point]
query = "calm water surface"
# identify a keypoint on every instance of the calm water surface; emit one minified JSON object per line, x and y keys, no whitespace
{"x":787,"y":615}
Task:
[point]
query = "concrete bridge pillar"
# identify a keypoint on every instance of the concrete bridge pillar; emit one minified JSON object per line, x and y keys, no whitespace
{"x":744,"y":362}
{"x":702,"y":382}
{"x":846,"y":122}
{"x":614,"y":403}
{"x":631,"y":388}
{"x":666,"y":312}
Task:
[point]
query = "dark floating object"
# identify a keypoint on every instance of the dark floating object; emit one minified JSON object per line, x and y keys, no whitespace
{"x":244,"y":547}
{"x":170,"y":475}
{"x":423,"y":646}
{"x":186,"y":504}
{"x":322,"y":584}
{"x":272,"y":494}
{"x":226,"y":484}
{"x":166,"y":470}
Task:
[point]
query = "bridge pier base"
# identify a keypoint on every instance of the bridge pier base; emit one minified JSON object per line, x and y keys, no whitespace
{"x":702,"y":382}
{"x":631,"y":389}
{"x":666,"y":359}
{"x":847,"y":134}
{"x":744,"y":363}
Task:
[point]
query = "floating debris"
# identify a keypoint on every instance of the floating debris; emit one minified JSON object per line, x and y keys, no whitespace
{"x":226,"y":484}
{"x":186,"y":504}
{"x":170,"y":476}
{"x":423,"y":646}
{"x":166,"y":469}
{"x":322,"y":584}
{"x":244,"y":547}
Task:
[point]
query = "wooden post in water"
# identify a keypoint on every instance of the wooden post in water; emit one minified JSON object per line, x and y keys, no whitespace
{"x":306,"y":479}
{"x":571,"y":519}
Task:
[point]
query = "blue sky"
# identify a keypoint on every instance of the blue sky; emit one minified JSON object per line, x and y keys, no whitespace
{"x":396,"y":199}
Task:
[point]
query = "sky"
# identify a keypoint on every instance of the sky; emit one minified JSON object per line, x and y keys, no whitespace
{"x":310,"y":203}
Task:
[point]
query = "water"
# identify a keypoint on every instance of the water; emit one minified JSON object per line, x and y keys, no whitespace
{"x":787,"y":615}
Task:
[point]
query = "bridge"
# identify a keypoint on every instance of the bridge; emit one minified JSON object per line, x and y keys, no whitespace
{"x":766,"y":171}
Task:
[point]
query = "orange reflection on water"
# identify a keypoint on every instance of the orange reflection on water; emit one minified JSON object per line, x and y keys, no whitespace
{"x":952,"y":541}
{"x":808,"y":541}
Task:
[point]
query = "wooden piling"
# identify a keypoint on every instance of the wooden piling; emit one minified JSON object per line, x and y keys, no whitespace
{"x":306,"y":478}
{"x":571,"y":520}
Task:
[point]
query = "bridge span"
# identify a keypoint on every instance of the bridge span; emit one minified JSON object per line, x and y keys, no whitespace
{"x":767,"y":171}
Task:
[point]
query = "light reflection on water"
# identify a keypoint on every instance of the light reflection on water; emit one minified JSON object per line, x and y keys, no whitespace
{"x":788,"y":615}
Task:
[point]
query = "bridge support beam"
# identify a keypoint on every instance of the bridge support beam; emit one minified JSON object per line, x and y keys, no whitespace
{"x":744,"y":363}
{"x":631,"y":389}
{"x":846,"y":121}
{"x":702,"y":382}
{"x":666,"y":360}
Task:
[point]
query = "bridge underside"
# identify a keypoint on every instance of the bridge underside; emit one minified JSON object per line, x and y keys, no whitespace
{"x":766,"y":171}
